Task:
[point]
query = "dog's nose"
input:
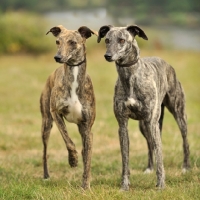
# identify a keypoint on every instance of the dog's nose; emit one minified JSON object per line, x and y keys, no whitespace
{"x":108,"y":57}
{"x":57,"y":58}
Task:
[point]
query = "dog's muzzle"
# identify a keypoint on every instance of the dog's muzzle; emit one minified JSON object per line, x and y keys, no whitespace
{"x":57,"y":58}
{"x":108,"y":57}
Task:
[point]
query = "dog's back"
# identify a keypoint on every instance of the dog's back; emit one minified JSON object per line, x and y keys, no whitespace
{"x":162,"y":68}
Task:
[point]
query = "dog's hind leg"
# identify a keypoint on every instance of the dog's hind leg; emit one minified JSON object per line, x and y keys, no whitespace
{"x":181,"y":120}
{"x":47,"y":122}
{"x":161,"y":118}
{"x":87,"y":138}
{"x":46,"y":128}
{"x":176,"y":106}
{"x":145,"y":133}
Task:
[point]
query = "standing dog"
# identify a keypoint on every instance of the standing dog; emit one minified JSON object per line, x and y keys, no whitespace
{"x":68,"y":94}
{"x":144,"y":87}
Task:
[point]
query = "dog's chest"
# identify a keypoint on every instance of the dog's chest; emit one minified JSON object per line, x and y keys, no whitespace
{"x":70,"y":106}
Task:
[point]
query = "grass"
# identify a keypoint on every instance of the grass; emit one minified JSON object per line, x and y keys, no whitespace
{"x":22,"y":78}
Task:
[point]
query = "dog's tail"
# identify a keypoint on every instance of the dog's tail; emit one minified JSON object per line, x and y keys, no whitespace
{"x":161,"y":117}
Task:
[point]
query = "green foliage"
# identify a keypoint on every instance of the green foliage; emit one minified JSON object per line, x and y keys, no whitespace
{"x":22,"y":32}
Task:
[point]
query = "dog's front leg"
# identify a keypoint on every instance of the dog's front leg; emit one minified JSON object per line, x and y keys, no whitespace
{"x":122,"y":116}
{"x":87,"y":138}
{"x":73,"y":155}
{"x":124,"y":144}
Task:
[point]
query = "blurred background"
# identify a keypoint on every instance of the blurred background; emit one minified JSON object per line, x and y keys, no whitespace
{"x":26,"y":60}
{"x":170,"y":24}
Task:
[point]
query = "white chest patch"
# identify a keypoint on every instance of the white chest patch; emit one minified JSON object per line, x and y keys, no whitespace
{"x":73,"y":104}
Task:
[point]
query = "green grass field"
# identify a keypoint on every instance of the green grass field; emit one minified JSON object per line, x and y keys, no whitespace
{"x":22,"y":78}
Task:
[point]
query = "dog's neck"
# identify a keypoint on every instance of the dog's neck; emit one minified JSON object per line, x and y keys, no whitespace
{"x":77,"y":64}
{"x":81,"y":67}
{"x":129,"y":64}
{"x":127,"y":67}
{"x":76,"y":69}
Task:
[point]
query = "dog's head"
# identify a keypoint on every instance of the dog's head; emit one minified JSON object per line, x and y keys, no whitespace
{"x":70,"y":43}
{"x":120,"y":41}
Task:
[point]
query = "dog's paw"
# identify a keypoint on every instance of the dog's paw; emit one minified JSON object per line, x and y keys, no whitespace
{"x":160,"y":186}
{"x":124,"y":188}
{"x":125,"y":184}
{"x":73,"y":159}
{"x":46,"y":175}
{"x":185,"y":170}
{"x":46,"y":178}
{"x":85,"y":185}
{"x":148,"y":171}
{"x":130,"y":102}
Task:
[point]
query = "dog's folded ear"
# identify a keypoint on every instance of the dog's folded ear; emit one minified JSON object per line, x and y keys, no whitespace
{"x":103,"y":31}
{"x":56,"y":30}
{"x":135,"y":30}
{"x":86,"y":32}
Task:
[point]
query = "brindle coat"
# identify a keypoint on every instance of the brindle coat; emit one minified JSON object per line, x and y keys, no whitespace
{"x":68,"y":94}
{"x":143,"y":88}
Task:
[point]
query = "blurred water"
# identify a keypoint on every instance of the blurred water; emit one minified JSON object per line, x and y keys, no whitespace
{"x":185,"y":38}
{"x":178,"y":38}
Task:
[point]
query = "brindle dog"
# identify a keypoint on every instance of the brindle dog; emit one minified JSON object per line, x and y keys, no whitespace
{"x":143,"y":88}
{"x":68,"y":94}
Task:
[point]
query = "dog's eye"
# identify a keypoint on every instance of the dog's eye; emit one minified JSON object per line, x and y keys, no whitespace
{"x":57,"y":42}
{"x":121,"y":41}
{"x":107,"y":41}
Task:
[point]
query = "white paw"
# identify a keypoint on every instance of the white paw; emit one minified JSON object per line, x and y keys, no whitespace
{"x":148,"y":171}
{"x":130,"y":102}
{"x":125,"y":184}
{"x":184,"y":170}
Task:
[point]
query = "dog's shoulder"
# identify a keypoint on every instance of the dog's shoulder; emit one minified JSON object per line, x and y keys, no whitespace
{"x":56,"y":74}
{"x":88,"y":87}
